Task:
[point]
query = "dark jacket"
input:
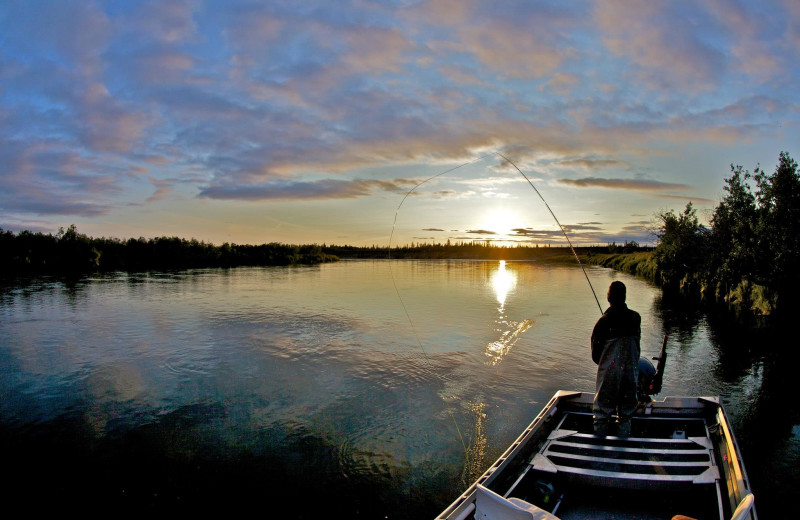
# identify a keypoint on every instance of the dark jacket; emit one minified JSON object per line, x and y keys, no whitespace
{"x":618,"y":321}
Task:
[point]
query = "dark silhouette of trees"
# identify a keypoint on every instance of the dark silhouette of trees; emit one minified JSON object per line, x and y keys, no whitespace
{"x":682,"y":246}
{"x":72,"y":252}
{"x":778,"y":226}
{"x":749,"y":256}
{"x":734,"y":244}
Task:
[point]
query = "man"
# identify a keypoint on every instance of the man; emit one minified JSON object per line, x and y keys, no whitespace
{"x":615,"y":349}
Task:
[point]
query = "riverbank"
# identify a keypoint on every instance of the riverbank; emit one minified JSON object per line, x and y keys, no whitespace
{"x":746,"y":301}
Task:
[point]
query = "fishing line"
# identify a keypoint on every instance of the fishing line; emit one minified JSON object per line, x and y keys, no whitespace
{"x":559,"y":225}
{"x":397,"y":290}
{"x":403,"y":304}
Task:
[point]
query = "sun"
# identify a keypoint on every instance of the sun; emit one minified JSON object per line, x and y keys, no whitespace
{"x":500,"y":221}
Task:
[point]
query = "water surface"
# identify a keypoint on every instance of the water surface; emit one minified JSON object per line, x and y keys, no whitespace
{"x":382,"y":387}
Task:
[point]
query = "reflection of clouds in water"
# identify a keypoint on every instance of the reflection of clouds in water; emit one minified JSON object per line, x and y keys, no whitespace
{"x":114,"y":388}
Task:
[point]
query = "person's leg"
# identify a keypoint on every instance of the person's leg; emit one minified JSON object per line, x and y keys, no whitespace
{"x":624,"y":426}
{"x":628,"y":379}
{"x":604,"y":402}
{"x":601,"y":421}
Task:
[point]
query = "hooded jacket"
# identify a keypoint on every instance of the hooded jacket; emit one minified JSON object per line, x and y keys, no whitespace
{"x":617,"y":322}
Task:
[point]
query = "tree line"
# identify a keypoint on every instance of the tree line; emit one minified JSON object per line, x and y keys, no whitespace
{"x":69,"y":251}
{"x":478,"y":250}
{"x":749,"y":255}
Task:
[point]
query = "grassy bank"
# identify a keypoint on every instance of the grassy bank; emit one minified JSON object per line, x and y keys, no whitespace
{"x":638,"y":264}
{"x":746,"y":300}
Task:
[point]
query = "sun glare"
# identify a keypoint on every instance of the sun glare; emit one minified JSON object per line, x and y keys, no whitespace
{"x":500,"y":221}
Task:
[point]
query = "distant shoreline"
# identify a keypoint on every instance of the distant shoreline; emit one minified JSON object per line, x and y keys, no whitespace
{"x":71,"y":252}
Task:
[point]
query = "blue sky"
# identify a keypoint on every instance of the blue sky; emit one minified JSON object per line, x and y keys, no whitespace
{"x":305,"y":122}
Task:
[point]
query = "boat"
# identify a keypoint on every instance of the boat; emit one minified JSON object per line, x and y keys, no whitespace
{"x":681,"y":458}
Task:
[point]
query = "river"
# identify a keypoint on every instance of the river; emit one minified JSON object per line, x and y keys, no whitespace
{"x":354,"y":389}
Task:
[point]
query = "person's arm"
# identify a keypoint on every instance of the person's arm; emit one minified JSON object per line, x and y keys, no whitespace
{"x":597,"y":341}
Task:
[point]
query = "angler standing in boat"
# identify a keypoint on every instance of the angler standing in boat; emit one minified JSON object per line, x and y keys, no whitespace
{"x":615,"y":349}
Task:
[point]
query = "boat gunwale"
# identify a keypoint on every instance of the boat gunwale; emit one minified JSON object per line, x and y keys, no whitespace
{"x":736,"y":479}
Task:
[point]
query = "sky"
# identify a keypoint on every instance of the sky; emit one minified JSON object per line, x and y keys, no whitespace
{"x":372,"y":122}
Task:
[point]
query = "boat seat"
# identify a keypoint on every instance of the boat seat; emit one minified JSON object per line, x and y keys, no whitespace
{"x":491,"y":506}
{"x":743,"y":509}
{"x":610,"y":459}
{"x":741,"y":512}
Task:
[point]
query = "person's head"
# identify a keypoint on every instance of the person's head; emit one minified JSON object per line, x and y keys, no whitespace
{"x":616,"y":293}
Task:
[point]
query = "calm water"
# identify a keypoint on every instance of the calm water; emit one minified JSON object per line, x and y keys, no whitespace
{"x":354,"y":387}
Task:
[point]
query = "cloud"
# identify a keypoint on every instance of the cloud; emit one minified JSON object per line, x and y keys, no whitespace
{"x":480,"y":232}
{"x":661,"y":44}
{"x":643,"y":226}
{"x":501,"y":37}
{"x":163,"y":188}
{"x":585,"y":235}
{"x":107,"y":125}
{"x":750,"y":43}
{"x":286,"y":189}
{"x":65,"y":35}
{"x":44,"y":206}
{"x":624,"y":184}
{"x":48,"y":179}
{"x":569,"y":228}
{"x":167,"y":22}
{"x":686,"y":198}
{"x":562,"y":83}
{"x":593,"y":164}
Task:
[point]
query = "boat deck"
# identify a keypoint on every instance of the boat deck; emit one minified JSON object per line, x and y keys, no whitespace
{"x":671,"y":460}
{"x":630,"y":460}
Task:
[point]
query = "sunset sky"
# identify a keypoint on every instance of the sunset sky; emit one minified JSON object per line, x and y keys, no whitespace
{"x":309,"y":121}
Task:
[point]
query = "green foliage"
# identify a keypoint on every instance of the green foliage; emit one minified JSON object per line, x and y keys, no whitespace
{"x":682,"y":245}
{"x":638,"y":263}
{"x":749,"y":257}
{"x":778,"y":226}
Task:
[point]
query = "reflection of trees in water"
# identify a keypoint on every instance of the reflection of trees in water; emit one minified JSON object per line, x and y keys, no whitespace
{"x":768,"y":431}
{"x":767,"y":422}
{"x":680,"y":316}
{"x":24,"y":289}
{"x":735,"y":346}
